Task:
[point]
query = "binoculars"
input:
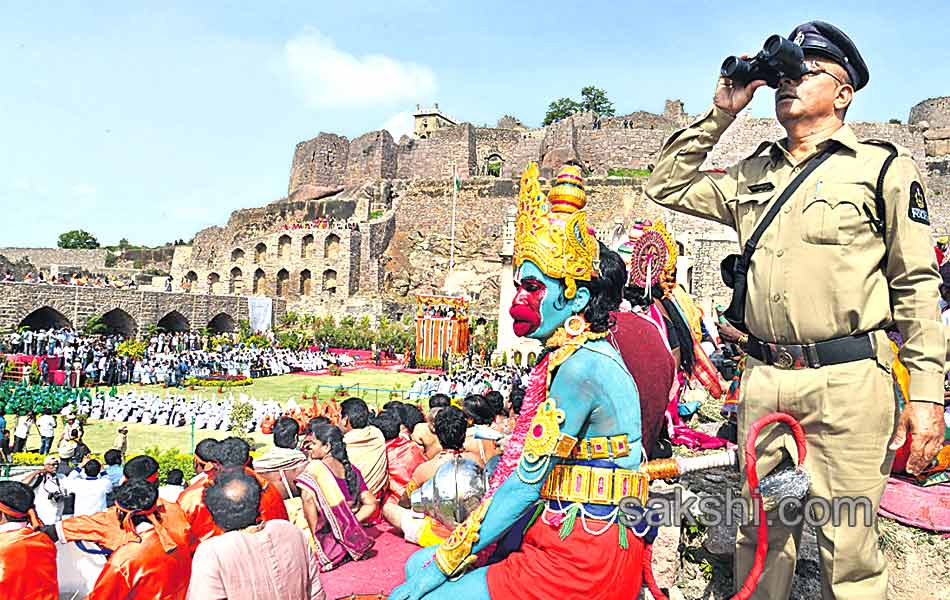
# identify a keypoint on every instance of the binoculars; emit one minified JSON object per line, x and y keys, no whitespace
{"x":779,"y":59}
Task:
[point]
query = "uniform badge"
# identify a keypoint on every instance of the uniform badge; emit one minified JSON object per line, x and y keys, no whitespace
{"x":918,"y":205}
{"x":800,"y":38}
{"x":768,"y":186}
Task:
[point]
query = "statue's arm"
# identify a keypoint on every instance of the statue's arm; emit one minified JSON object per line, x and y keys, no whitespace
{"x":574,"y":390}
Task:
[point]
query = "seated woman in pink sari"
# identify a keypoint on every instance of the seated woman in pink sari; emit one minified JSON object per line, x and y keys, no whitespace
{"x":335,"y":499}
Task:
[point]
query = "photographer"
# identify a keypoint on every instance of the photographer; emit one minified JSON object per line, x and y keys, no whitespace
{"x":48,"y":489}
{"x":842,"y":251}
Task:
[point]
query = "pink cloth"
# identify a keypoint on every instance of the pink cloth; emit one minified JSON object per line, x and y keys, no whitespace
{"x":921,"y":507}
{"x":272,"y":562}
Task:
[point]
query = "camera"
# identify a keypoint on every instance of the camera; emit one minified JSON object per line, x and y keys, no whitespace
{"x":779,"y":58}
{"x":57,"y":496}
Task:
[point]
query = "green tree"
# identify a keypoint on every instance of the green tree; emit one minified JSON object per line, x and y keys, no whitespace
{"x":95,"y":326}
{"x":595,"y":100}
{"x":560,"y":109}
{"x":124,"y":243}
{"x":77,"y":239}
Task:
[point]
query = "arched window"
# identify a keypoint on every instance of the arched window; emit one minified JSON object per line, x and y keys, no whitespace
{"x":305,"y":283}
{"x":236,"y":283}
{"x":260,"y":282}
{"x":306,"y":246}
{"x":119,"y":321}
{"x":237,"y":254}
{"x":45,"y":318}
{"x":283,"y":246}
{"x":190,"y":279}
{"x":174,"y":321}
{"x":331,"y":247}
{"x":329,"y":281}
{"x":260,"y":252}
{"x":213,"y":279}
{"x":283,"y":278}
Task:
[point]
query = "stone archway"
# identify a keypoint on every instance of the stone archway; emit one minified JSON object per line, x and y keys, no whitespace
{"x":174,"y":321}
{"x":494,"y":164}
{"x":283,"y":246}
{"x":119,"y":321}
{"x":260,"y":252}
{"x":222,"y":323}
{"x":306,"y":246}
{"x":329,"y":281}
{"x":260,"y":282}
{"x":236,"y":283}
{"x":45,"y":318}
{"x":213,"y":279}
{"x":283,"y":281}
{"x":305,"y":283}
{"x":237,"y":254}
{"x":331,"y":247}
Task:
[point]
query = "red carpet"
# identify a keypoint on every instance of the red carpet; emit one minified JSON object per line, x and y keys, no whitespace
{"x":381,"y":572}
{"x":922,"y":507}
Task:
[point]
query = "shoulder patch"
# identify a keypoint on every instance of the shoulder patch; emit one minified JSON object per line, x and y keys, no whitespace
{"x":918,"y":205}
{"x":759,"y":149}
{"x":891,"y":146}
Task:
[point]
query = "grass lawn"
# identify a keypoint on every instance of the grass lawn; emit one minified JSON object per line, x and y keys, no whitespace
{"x":99,"y":434}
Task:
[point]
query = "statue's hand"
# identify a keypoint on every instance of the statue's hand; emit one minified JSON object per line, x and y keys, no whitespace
{"x":424,"y":581}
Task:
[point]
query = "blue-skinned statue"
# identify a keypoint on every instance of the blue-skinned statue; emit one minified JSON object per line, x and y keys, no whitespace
{"x":549,"y":525}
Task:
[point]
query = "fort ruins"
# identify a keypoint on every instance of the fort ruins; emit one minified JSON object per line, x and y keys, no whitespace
{"x":391,"y":207}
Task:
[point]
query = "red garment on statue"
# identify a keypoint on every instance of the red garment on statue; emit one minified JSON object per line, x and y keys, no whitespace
{"x":28,"y":565}
{"x":402,"y":456}
{"x":649,"y":361}
{"x":580,"y":567}
{"x":142,"y":569}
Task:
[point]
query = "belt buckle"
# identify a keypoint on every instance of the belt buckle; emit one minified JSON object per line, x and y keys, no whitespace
{"x":783,"y":358}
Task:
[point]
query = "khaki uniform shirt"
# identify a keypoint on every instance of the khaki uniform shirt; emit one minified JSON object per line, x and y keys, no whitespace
{"x":817,"y":272}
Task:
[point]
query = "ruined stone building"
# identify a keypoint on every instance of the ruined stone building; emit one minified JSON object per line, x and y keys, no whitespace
{"x":391,"y":207}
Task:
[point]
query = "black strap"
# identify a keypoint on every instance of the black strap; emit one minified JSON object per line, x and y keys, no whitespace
{"x":879,"y":221}
{"x":813,"y":164}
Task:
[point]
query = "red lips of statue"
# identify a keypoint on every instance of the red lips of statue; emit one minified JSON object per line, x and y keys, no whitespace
{"x":526,"y":319}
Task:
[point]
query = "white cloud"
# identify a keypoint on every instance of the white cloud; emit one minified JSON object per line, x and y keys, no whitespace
{"x":332,"y":78}
{"x":402,"y":123}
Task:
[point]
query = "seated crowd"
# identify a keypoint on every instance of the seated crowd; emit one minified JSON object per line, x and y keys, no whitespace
{"x":243,"y":527}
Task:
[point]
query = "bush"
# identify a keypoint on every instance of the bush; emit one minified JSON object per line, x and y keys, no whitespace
{"x":257,"y":341}
{"x":628,"y":173}
{"x":334,"y":370}
{"x":171,"y":459}
{"x":132,"y":348}
{"x":241,"y":414}
{"x":28,"y":458}
{"x":218,"y":382}
{"x":111,"y":260}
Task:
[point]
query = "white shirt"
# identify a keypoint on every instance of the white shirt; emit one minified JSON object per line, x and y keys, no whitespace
{"x":170,"y":492}
{"x":48,"y":511}
{"x":47,"y":425}
{"x":90,"y":493}
{"x":23,"y":425}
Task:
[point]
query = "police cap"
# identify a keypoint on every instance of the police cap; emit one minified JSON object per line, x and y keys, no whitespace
{"x":824,"y":39}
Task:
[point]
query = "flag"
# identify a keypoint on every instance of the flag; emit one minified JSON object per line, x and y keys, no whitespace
{"x":457,"y":181}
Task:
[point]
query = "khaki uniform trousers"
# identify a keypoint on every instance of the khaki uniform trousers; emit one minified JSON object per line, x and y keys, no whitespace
{"x":849,"y":413}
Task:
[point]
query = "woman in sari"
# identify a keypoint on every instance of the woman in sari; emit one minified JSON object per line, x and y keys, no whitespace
{"x":335,"y":499}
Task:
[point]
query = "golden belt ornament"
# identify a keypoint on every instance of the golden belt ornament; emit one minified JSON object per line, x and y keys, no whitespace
{"x":595,"y":485}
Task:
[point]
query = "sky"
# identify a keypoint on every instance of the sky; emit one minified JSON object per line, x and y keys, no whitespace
{"x":152,"y":120}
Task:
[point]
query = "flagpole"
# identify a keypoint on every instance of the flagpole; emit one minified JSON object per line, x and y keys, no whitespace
{"x":454,"y":200}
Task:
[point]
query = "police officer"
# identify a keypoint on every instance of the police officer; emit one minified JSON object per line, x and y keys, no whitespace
{"x":829,"y":275}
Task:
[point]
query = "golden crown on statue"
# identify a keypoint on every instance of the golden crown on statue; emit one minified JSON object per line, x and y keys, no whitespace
{"x":552,"y":232}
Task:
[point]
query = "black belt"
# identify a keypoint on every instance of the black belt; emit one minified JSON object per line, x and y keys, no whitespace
{"x":804,"y":356}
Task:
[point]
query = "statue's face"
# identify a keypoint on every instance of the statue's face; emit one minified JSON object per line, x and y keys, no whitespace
{"x":539,"y":306}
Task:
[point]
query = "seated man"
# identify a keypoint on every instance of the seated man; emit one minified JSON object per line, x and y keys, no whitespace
{"x":450,"y":427}
{"x":365,"y":444}
{"x":27,"y":557}
{"x":145,"y":568}
{"x":111,"y":530}
{"x":402,"y":454}
{"x":424,"y":433}
{"x":240,"y":562}
{"x":284,"y":462}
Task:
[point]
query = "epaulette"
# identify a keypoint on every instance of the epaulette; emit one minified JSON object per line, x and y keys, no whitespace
{"x":759,"y":149}
{"x":888,"y":145}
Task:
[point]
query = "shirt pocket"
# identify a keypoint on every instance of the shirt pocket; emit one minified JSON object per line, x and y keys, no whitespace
{"x":835,"y":215}
{"x":750,"y":207}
